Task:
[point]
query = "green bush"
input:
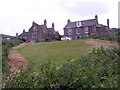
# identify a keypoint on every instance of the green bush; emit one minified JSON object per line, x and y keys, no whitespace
{"x":6,"y":45}
{"x":111,"y":37}
{"x":99,"y":69}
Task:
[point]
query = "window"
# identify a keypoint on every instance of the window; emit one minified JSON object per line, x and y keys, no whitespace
{"x":34,"y":28}
{"x":86,"y":30}
{"x":83,"y":23}
{"x":78,"y":31}
{"x":70,"y":32}
{"x":34,"y":35}
{"x":78,"y":24}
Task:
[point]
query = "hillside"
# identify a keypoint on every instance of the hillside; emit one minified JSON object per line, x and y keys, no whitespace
{"x":56,"y":52}
{"x":59,"y":52}
{"x":69,"y":64}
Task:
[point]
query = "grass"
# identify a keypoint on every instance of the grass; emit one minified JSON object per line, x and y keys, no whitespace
{"x":57,"y":53}
{"x":98,"y":69}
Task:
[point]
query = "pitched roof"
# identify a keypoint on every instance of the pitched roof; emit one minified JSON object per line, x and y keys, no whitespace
{"x":84,"y":23}
{"x":40,"y":26}
{"x":50,"y":29}
{"x":23,"y":34}
{"x":101,"y":25}
{"x":6,"y":36}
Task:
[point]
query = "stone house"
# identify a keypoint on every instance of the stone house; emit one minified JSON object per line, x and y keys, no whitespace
{"x":85,"y":28}
{"x":39,"y":33}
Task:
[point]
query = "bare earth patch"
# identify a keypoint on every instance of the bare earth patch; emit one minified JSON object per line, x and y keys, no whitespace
{"x":17,"y":62}
{"x":104,"y":43}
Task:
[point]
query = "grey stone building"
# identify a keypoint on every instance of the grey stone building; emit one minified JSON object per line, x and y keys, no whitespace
{"x":39,"y":33}
{"x":85,"y":28}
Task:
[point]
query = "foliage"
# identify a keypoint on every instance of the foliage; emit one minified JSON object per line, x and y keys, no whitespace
{"x":111,"y":37}
{"x":99,"y":69}
{"x":6,"y":45}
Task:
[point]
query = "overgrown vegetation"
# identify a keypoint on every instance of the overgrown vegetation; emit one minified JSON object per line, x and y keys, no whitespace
{"x":99,"y":69}
{"x":6,"y":45}
{"x":112,"y":37}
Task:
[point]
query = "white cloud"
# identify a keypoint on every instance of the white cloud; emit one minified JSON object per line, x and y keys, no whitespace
{"x":18,"y":14}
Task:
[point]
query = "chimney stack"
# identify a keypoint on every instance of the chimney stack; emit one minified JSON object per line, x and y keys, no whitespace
{"x":45,"y":22}
{"x":68,"y":21}
{"x":16,"y":34}
{"x":53,"y":25}
{"x":23,"y":30}
{"x":33,"y":22}
{"x":96,"y":17}
{"x":108,"y":23}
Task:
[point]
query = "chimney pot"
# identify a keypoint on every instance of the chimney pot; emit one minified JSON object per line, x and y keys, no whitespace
{"x":108,"y":23}
{"x":68,"y":21}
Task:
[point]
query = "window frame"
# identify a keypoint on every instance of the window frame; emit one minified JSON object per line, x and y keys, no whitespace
{"x":77,"y":31}
{"x":34,"y":35}
{"x":86,"y":30}
{"x":69,"y":31}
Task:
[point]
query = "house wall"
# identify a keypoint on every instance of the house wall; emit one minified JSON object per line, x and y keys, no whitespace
{"x":74,"y":35}
{"x":92,"y":30}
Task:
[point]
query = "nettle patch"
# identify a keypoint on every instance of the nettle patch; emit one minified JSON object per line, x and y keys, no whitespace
{"x":99,"y":69}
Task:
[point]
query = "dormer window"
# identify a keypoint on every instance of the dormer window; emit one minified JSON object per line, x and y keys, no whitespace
{"x":78,"y":24}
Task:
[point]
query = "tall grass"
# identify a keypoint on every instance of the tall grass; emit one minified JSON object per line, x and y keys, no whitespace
{"x":112,"y":37}
{"x":6,"y":45}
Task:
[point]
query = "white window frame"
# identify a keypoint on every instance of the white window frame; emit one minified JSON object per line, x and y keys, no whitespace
{"x":86,"y":31}
{"x":79,"y":24}
{"x":77,"y":31}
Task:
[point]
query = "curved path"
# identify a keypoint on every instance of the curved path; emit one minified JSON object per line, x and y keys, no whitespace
{"x":17,"y":62}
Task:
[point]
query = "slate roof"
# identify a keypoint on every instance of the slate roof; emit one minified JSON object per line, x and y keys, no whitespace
{"x":84,"y":23}
{"x":101,"y":25}
{"x":39,"y":26}
{"x":23,"y":34}
{"x":6,"y":36}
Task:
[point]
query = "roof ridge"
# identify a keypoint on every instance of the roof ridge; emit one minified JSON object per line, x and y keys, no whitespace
{"x":82,"y":20}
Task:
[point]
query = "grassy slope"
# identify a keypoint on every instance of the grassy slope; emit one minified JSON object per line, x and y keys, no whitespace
{"x":57,"y":52}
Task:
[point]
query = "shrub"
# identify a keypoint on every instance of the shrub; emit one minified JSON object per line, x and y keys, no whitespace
{"x":99,"y":69}
{"x":112,"y":37}
{"x":6,"y":45}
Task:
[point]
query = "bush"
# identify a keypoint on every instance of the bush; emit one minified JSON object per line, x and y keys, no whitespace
{"x":111,"y":37}
{"x":6,"y":45}
{"x":99,"y":69}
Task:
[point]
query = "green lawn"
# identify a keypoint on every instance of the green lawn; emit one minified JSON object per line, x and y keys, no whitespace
{"x":57,"y":52}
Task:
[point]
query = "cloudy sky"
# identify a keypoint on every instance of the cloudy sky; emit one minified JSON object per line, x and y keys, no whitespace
{"x":16,"y":15}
